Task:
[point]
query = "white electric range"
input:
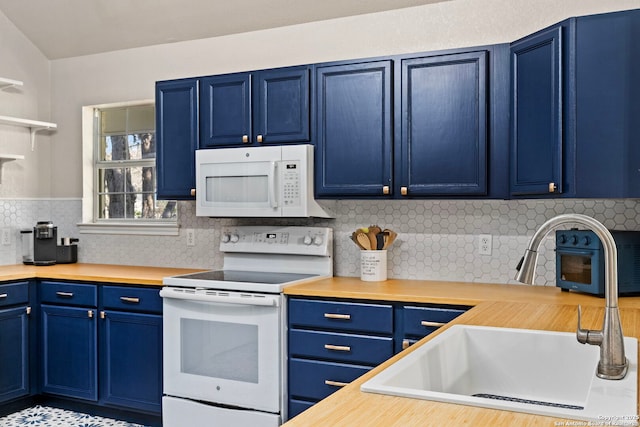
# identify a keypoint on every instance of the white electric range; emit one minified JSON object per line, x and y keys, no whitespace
{"x":224,"y":330}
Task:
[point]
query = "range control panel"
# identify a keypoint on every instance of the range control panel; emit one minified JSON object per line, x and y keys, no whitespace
{"x":277,"y":240}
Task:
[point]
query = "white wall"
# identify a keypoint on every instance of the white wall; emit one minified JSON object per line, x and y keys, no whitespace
{"x":21,"y":60}
{"x":130,"y":74}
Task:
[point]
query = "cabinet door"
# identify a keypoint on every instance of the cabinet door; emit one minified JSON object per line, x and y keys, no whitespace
{"x":354,"y":121}
{"x":225,"y":110}
{"x":131,"y":360}
{"x":281,"y":105}
{"x":14,"y":353}
{"x":444,"y":125}
{"x":69,"y":352}
{"x":177,"y":138}
{"x":537,"y":144}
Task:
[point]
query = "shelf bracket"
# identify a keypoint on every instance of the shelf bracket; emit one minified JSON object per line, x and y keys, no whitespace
{"x":7,"y":158}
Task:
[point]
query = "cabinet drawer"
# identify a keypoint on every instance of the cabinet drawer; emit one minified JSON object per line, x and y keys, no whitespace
{"x":312,"y":379}
{"x":340,"y":347}
{"x":298,"y":406}
{"x":343,"y":316}
{"x":14,"y":293}
{"x":132,"y":299}
{"x":421,"y":321}
{"x":69,"y":293}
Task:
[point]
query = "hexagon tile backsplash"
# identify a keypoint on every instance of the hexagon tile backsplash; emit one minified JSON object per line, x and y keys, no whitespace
{"x":437,"y":239}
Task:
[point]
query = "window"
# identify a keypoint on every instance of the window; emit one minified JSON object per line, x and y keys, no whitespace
{"x":122,"y":155}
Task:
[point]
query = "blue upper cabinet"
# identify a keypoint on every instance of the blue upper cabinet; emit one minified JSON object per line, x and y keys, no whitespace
{"x":354,"y":129}
{"x":176,"y":138}
{"x":575,"y":109}
{"x":537,"y":140}
{"x":444,"y":125}
{"x":282,"y":111}
{"x":225,"y":108}
{"x":261,"y":107}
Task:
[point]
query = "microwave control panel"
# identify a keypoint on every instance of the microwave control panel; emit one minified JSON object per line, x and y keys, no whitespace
{"x":291,"y":183}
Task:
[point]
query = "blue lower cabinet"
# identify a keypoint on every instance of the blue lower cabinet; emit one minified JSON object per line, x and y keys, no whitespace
{"x":131,"y":360}
{"x":314,"y":380}
{"x":69,"y":352}
{"x":14,"y":354}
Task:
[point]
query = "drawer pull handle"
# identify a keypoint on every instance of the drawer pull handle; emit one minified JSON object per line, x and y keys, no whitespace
{"x":3,"y":296}
{"x":132,"y":300}
{"x":432,"y":324}
{"x":337,"y":347}
{"x":335,"y":383}
{"x":65,"y":294}
{"x":337,"y":316}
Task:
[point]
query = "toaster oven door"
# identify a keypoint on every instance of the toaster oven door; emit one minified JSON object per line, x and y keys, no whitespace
{"x":579,"y":270}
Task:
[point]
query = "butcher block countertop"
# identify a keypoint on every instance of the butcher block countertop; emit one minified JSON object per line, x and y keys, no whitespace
{"x":104,"y":273}
{"x":512,"y":306}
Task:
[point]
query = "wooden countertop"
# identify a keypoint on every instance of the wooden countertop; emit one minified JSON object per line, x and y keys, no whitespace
{"x":511,"y":306}
{"x":106,"y":273}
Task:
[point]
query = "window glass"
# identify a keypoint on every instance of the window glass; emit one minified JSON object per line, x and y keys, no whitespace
{"x":125,"y":166}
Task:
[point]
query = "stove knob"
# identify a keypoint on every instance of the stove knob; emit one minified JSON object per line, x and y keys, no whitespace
{"x":562,"y":239}
{"x":317,"y":240}
{"x":226,"y":238}
{"x":586,"y":240}
{"x":234,"y":238}
{"x":574,"y":240}
{"x":307,"y":240}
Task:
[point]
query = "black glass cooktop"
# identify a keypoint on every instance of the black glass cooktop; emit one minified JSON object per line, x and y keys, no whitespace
{"x":268,"y":278}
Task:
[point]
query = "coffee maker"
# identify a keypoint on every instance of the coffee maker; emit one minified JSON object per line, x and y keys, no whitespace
{"x":45,"y":236}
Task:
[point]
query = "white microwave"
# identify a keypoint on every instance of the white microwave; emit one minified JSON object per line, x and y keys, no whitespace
{"x":274,"y":181}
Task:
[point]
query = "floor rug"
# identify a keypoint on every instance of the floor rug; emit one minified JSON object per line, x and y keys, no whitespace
{"x":45,"y":416}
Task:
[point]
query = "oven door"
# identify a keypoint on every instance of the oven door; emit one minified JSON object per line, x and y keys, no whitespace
{"x":223,"y":347}
{"x":579,"y":270}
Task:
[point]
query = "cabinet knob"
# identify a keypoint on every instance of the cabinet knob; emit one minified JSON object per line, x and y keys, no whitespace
{"x":90,"y":314}
{"x":552,"y":187}
{"x":386,"y":189}
{"x":259,"y":138}
{"x":404,"y":191}
{"x":406,"y":344}
{"x":245,"y":139}
{"x":28,"y":311}
{"x":103,"y":315}
{"x":193,"y":192}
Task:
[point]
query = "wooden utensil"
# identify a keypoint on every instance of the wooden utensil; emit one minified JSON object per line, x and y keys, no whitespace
{"x":355,"y":240}
{"x":373,"y":240}
{"x":364,"y":241}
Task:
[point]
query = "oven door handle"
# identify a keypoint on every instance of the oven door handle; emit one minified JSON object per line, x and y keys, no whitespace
{"x":262,"y":300}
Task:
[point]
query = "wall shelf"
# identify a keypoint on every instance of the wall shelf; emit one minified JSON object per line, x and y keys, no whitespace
{"x":5,"y":83}
{"x":33,"y":125}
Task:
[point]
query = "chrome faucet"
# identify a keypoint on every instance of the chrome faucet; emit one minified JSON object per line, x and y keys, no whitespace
{"x":613,"y":364}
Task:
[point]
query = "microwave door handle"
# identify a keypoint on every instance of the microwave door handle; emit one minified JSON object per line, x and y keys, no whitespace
{"x":272,"y":185}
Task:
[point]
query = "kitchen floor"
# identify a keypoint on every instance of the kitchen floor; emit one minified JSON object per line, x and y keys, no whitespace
{"x":45,"y":416}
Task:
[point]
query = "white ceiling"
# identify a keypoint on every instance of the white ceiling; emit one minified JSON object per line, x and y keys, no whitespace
{"x":67,"y":28}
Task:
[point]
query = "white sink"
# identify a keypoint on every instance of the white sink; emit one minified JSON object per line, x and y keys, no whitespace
{"x":523,"y":370}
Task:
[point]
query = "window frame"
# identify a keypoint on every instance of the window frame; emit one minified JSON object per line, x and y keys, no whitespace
{"x":91,"y":223}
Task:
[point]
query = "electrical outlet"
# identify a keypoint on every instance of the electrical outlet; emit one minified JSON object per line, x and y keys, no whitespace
{"x":191,"y":237}
{"x":6,"y":237}
{"x":485,"y":243}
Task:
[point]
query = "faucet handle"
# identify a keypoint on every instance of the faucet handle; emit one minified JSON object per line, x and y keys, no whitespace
{"x":581,"y":334}
{"x":587,"y":336}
